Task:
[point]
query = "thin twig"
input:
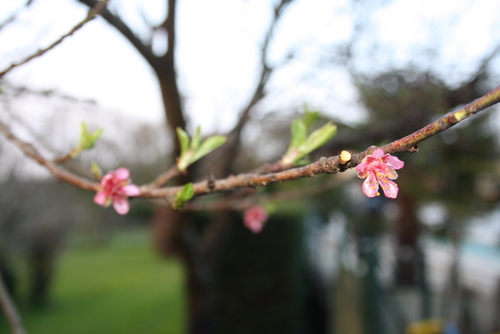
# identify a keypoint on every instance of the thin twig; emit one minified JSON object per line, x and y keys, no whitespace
{"x":409,"y":142}
{"x":333,"y":165}
{"x":330,"y":165}
{"x":165,"y":177}
{"x":10,"y":311}
{"x":91,"y":15}
{"x":234,"y":136}
{"x":14,"y":15}
{"x":58,"y":172}
{"x":240,"y":204}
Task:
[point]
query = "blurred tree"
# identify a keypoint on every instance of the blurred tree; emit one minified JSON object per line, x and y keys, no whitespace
{"x":414,"y":99}
{"x":458,"y":169}
{"x":199,"y":248}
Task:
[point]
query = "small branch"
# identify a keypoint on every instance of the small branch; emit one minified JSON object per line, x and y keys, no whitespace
{"x":330,"y":165}
{"x":265,"y":70}
{"x":59,"y":173}
{"x":13,"y":17}
{"x":40,"y":139}
{"x":115,"y":21}
{"x":245,"y":200}
{"x":407,"y":143}
{"x":62,"y":160}
{"x":234,"y":141}
{"x":91,"y":15}
{"x":165,"y":177}
{"x":333,"y":164}
{"x":10,"y":311}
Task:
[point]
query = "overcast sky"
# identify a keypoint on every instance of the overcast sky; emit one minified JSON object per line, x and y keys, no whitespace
{"x":218,"y":45}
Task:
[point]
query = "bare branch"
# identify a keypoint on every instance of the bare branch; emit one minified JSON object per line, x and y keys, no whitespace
{"x":12,"y":18}
{"x":165,"y":177}
{"x":246,"y":200}
{"x":408,"y":143}
{"x":265,"y":70}
{"x":59,"y":173}
{"x":233,"y":144}
{"x":333,"y":164}
{"x":10,"y":311}
{"x":330,"y":165}
{"x":115,"y":21}
{"x":91,"y":15}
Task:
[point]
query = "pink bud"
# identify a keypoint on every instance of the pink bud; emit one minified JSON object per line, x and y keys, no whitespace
{"x":255,"y":218}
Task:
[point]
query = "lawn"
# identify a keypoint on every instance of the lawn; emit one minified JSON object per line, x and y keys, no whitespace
{"x":122,"y":287}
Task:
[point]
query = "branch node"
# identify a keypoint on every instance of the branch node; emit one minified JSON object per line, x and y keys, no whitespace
{"x":211,"y":182}
{"x":413,"y":149}
{"x":345,"y":157}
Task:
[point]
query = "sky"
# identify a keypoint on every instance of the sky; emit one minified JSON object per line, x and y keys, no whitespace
{"x":218,"y":45}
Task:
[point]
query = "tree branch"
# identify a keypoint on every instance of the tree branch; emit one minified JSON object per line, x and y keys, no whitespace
{"x":10,"y":311}
{"x":409,"y":142}
{"x":325,"y":165}
{"x":230,"y":149}
{"x":165,"y":177}
{"x":59,"y":173}
{"x":115,"y":21}
{"x":265,"y":70}
{"x":246,"y":199}
{"x":333,"y":164}
{"x":91,"y":15}
{"x":12,"y":18}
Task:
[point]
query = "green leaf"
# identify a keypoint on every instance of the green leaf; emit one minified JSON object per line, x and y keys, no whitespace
{"x":196,"y":139}
{"x":87,"y":140}
{"x":183,"y":140}
{"x":184,"y":195}
{"x":84,"y":133}
{"x":210,"y":144}
{"x":299,"y":133}
{"x":91,"y":139}
{"x":318,"y":138}
{"x":96,"y":170}
{"x":94,"y":136}
{"x":310,"y":117}
{"x":184,"y":161}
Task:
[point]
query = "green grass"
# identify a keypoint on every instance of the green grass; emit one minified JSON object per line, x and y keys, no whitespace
{"x":123,"y":287}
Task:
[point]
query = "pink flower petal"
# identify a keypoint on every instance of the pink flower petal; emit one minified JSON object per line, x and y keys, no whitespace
{"x":378,"y":169}
{"x":122,"y":173}
{"x":116,"y":189}
{"x":131,"y":190}
{"x":106,"y":178}
{"x":370,"y":186}
{"x":255,"y":218}
{"x":390,"y":188}
{"x":378,"y":153}
{"x":121,"y":206}
{"x":100,"y":198}
{"x":362,"y":166}
{"x":394,"y":162}
{"x":255,"y":226}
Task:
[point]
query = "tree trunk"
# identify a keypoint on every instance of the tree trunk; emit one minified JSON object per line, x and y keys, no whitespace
{"x":407,"y":232}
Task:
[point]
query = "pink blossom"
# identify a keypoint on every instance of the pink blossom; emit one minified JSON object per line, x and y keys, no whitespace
{"x":116,"y":189}
{"x":255,"y":218}
{"x":379,"y":169}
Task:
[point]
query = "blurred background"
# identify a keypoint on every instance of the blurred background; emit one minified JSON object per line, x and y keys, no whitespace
{"x":329,"y":260}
